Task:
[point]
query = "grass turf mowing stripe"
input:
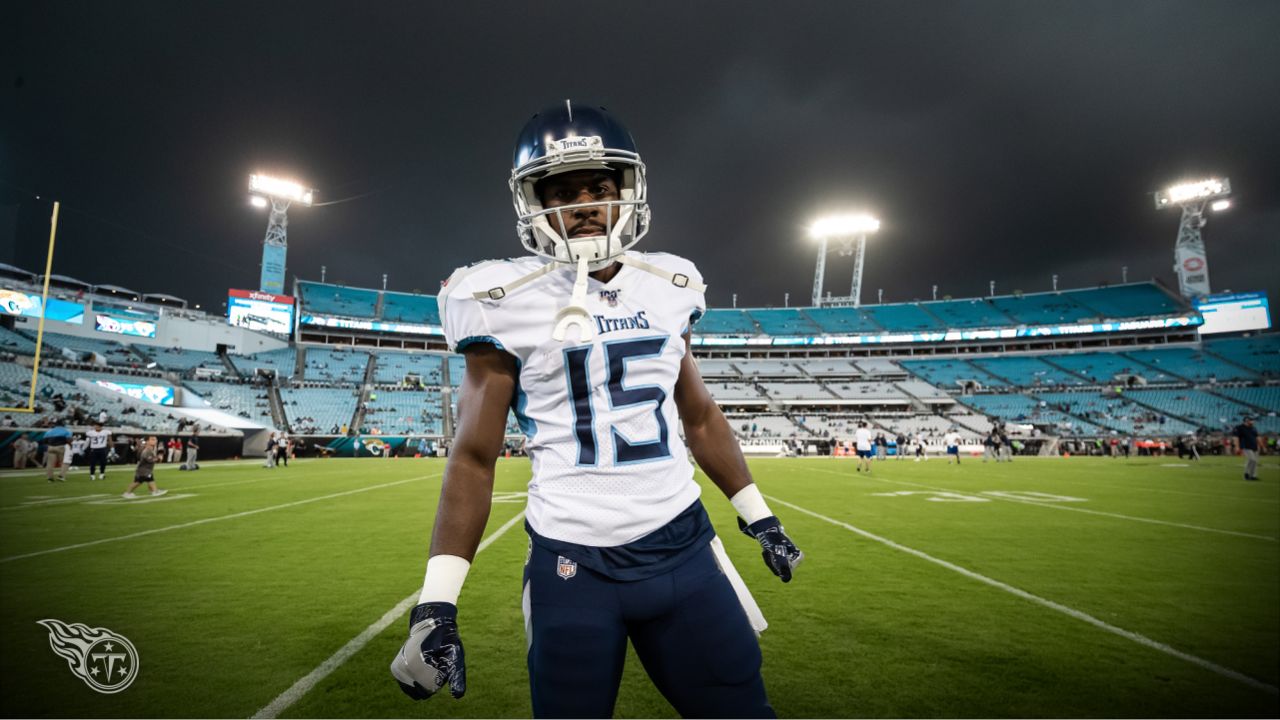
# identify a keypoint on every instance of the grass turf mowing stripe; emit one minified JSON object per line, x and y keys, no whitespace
{"x":204,"y":521}
{"x":72,"y":499}
{"x":1071,"y":612}
{"x":210,"y":464}
{"x":1165,"y":491}
{"x":334,"y":661}
{"x":1054,"y":506}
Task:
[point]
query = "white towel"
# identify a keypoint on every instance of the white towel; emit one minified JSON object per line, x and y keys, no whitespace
{"x":749,"y":605}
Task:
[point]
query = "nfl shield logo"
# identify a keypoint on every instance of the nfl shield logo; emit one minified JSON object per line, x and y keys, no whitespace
{"x":609,"y":296}
{"x":566,"y":568}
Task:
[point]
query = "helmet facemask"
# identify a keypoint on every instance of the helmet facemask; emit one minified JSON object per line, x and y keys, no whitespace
{"x":540,"y":236}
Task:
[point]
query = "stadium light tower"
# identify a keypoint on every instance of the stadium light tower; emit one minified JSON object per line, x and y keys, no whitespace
{"x":849,"y":233}
{"x":1190,"y":261}
{"x":279,"y":194}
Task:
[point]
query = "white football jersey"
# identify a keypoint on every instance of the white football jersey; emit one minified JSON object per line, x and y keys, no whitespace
{"x":97,"y":438}
{"x":609,"y":465}
{"x":863,"y":438}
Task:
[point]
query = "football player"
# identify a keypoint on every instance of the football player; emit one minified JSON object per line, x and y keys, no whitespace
{"x":587,"y":342}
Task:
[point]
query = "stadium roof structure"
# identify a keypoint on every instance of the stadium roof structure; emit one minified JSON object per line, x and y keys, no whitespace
{"x":118,"y":290}
{"x":164,"y":299}
{"x":17,"y":272}
{"x":68,"y":280}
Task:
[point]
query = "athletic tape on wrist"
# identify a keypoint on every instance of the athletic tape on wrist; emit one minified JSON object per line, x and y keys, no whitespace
{"x":443,"y":582}
{"x":750,"y":504}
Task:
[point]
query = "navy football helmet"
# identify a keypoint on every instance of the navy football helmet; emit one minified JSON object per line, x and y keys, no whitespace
{"x":565,"y":138}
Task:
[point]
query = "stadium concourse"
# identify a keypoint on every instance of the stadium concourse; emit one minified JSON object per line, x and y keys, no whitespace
{"x":1076,"y":371}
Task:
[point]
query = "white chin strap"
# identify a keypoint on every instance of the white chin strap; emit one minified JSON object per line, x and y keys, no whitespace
{"x":575,"y":313}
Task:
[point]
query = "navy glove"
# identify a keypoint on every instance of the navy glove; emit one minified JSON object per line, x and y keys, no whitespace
{"x":432,"y":656}
{"x":780,"y":554}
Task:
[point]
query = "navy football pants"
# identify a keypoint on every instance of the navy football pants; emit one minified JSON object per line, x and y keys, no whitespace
{"x":687,"y":626}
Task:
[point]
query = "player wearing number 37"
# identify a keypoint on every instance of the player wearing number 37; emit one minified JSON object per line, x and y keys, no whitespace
{"x":587,"y":341}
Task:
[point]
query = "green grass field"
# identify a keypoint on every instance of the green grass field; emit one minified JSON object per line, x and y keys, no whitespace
{"x":1142,"y":588}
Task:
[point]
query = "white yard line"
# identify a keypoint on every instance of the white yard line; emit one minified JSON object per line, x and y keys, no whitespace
{"x":206,"y":521}
{"x":58,"y":501}
{"x":1167,"y":491}
{"x":305,"y":684}
{"x":1058,"y":607}
{"x":1055,"y":506}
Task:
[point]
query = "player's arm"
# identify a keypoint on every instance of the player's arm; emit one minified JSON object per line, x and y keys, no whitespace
{"x":484,"y":399}
{"x":433,"y":655}
{"x":717,"y":452}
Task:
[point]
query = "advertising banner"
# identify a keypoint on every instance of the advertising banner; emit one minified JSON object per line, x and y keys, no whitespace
{"x":157,"y":394}
{"x":125,"y":326}
{"x":365,"y":445}
{"x":16,"y":302}
{"x":272,"y":269}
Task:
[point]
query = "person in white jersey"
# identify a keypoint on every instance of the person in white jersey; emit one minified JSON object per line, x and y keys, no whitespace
{"x":862,"y":446}
{"x":952,"y":441}
{"x":588,"y":343}
{"x":98,"y":439}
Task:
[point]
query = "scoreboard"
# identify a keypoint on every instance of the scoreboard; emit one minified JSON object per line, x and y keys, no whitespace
{"x":260,"y":311}
{"x":1234,"y":312}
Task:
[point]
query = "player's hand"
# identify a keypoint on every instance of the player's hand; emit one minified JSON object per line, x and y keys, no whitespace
{"x":780,"y":554}
{"x":432,"y":656}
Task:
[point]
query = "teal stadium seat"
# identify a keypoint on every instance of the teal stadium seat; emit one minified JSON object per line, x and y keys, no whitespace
{"x":325,"y":299}
{"x":407,"y":308}
{"x":784,"y":322}
{"x":726,"y":322}
{"x":976,"y":313}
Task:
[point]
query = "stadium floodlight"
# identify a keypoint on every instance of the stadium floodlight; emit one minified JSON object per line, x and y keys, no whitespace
{"x":1189,"y":191}
{"x":850,"y":233}
{"x":1190,"y":260}
{"x":837,"y":226}
{"x":279,"y":194}
{"x":279,"y":189}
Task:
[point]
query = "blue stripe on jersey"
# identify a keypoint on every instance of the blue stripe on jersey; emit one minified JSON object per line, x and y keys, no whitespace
{"x":576,"y":370}
{"x":661,"y":550}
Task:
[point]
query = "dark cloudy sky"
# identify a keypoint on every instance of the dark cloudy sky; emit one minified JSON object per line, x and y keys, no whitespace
{"x":998,"y":141}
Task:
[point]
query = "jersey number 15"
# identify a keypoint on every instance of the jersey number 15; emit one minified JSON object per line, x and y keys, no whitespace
{"x":578,"y":373}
